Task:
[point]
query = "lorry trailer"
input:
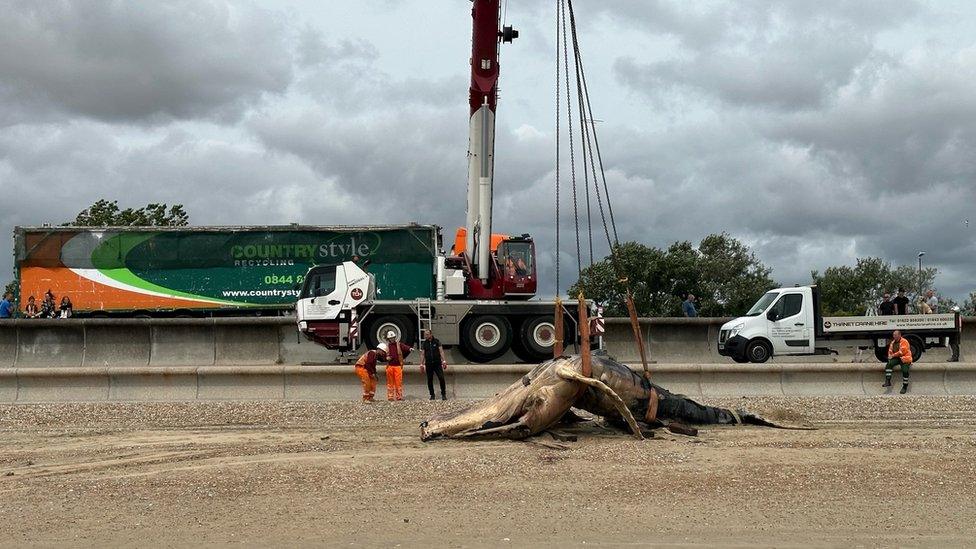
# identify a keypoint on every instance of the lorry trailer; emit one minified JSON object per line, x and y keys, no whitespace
{"x":208,"y":271}
{"x":788,"y":321}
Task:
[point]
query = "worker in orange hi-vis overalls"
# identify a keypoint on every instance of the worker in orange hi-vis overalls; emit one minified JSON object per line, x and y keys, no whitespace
{"x":395,"y":354}
{"x":366,"y":370}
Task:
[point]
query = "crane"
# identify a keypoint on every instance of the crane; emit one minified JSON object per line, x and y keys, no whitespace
{"x":488,"y":278}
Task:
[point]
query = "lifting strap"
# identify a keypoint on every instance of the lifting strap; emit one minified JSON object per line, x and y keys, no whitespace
{"x":584,"y":329}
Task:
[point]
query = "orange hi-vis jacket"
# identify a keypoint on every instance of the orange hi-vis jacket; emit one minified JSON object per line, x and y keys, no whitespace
{"x":368,"y":362}
{"x":904,"y":351}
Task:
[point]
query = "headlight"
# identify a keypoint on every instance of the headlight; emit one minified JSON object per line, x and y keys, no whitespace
{"x":736,"y":329}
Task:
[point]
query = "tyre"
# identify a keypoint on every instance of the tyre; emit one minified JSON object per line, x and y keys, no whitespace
{"x":537,"y":337}
{"x":485,"y":338}
{"x":916,"y":346}
{"x":758,"y":351}
{"x":517,"y":347}
{"x":881,"y":353}
{"x":740,"y":360}
{"x":376,"y":330}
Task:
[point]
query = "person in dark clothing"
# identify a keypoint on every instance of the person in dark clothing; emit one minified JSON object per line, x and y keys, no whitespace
{"x":433,"y":362}
{"x":887,"y":307}
{"x":31,"y":310}
{"x":901,"y":302}
{"x":66,"y":308}
{"x":48,"y":308}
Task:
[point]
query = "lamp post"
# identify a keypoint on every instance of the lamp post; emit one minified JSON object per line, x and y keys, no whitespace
{"x":920,"y":254}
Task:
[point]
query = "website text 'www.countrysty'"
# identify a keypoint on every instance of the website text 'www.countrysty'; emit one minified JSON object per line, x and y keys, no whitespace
{"x":260,"y":293}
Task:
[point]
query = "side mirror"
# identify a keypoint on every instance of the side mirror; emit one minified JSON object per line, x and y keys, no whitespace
{"x":772,"y":315}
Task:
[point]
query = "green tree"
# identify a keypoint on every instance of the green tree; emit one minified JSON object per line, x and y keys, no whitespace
{"x":104,"y":213}
{"x":968,"y":307}
{"x":732,"y":276}
{"x":852,"y":291}
{"x":722,"y":272}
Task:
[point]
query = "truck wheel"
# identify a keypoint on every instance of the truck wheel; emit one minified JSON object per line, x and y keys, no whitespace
{"x":916,"y":346}
{"x":537,"y":337}
{"x":758,"y":351}
{"x":881,"y":353}
{"x":485,"y":338}
{"x":375,"y":333}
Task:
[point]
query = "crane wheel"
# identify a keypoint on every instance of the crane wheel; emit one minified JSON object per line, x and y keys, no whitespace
{"x":485,"y":338}
{"x":375,"y":332}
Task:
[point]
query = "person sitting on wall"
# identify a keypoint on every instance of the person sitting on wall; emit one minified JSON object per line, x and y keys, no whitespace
{"x":6,"y":306}
{"x":899,"y":354}
{"x":66,"y":308}
{"x":48,"y":307}
{"x":31,"y":310}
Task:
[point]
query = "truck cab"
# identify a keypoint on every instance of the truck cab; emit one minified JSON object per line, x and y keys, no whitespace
{"x":782,"y":322}
{"x":327,"y":303}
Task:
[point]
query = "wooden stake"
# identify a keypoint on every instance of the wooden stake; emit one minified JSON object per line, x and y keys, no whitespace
{"x":638,"y":337}
{"x":584,"y":331}
{"x":557,"y":348}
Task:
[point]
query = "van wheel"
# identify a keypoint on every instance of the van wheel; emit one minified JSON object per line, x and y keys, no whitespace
{"x":485,"y":338}
{"x":400,"y":325}
{"x":740,"y":360}
{"x":758,"y":351}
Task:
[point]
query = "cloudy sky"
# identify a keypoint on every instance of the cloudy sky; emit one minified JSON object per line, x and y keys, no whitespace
{"x":817,"y":132}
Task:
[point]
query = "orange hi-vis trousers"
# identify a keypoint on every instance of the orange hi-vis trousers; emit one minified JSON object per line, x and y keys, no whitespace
{"x":394,"y":382}
{"x":369,"y":383}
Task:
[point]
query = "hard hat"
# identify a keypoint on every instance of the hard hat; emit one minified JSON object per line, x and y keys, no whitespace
{"x":391,"y":335}
{"x":381,"y":347}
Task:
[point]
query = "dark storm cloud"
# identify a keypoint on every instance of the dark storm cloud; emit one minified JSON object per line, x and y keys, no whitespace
{"x":134,"y":62}
{"x":814,"y":134}
{"x":804,"y":128}
{"x":783,"y":55}
{"x":66,"y":168}
{"x":707,"y":25}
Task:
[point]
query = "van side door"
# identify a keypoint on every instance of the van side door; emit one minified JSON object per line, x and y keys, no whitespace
{"x":790,"y":329}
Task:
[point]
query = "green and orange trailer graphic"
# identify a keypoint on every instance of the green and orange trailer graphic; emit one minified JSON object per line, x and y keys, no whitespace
{"x":138,"y":270}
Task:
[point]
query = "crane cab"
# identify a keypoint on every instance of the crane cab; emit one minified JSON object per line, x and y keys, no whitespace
{"x":512,"y":267}
{"x":515,"y":258}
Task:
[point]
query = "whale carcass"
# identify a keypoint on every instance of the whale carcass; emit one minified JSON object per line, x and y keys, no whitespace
{"x":545,"y":395}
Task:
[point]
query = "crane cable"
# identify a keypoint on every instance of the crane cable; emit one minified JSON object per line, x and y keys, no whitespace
{"x":558,"y":330}
{"x":589,"y":145}
{"x":569,"y":130}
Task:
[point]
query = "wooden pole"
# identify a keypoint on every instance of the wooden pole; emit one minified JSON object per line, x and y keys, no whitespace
{"x":638,"y":337}
{"x":557,"y":348}
{"x":584,"y":331}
